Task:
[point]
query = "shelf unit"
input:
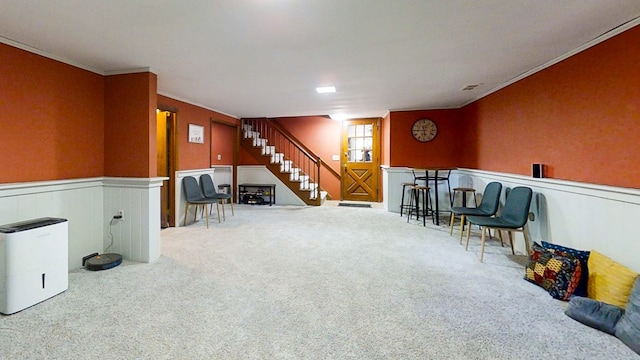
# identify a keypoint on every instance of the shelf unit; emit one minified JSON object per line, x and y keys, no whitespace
{"x":257,"y":194}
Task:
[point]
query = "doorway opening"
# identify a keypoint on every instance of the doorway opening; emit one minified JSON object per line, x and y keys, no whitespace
{"x":166,"y":139}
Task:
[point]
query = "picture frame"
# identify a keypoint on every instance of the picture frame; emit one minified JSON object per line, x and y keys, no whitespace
{"x":196,"y":134}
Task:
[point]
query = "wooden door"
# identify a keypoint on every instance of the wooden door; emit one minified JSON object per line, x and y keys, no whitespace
{"x":360,"y":159}
{"x":166,"y":158}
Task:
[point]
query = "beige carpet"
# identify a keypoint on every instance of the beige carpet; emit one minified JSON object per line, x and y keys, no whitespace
{"x":306,"y":283}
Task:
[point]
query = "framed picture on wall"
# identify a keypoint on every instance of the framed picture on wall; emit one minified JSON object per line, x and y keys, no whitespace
{"x":196,"y":134}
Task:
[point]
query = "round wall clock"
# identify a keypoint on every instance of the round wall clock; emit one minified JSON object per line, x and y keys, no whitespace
{"x":424,"y":130}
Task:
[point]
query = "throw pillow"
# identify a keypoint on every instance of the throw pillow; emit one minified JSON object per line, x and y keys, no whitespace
{"x":594,"y":313}
{"x":628,"y":328}
{"x":581,"y":255}
{"x":559,"y":274}
{"x":609,"y":281}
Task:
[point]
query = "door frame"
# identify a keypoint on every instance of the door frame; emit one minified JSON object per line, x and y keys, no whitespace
{"x":172,"y":157}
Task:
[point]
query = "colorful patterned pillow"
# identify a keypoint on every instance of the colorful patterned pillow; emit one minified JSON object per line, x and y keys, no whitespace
{"x":558,"y":273}
{"x":609,"y":281}
{"x":581,"y":255}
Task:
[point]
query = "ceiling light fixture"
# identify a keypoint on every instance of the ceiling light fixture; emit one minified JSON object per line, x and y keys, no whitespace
{"x":326,"y":89}
{"x":338,"y":117}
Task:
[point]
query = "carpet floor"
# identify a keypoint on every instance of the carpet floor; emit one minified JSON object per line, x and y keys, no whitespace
{"x":327,"y":282}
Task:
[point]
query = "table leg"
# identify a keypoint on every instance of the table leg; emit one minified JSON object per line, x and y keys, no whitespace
{"x":435,"y":186}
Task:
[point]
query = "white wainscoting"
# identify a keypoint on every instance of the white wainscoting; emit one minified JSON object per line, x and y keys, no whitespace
{"x":137,"y":236}
{"x":223,"y":174}
{"x":579,"y":215}
{"x":259,"y":174}
{"x":88,"y":204}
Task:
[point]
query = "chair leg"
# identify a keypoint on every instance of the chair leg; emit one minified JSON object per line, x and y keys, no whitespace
{"x":204,"y":209}
{"x":462,"y":220}
{"x":224,"y":217}
{"x":218,"y":210}
{"x":484,"y":231}
{"x":468,"y":236}
{"x":186,"y":210}
{"x":453,"y":216}
{"x":526,"y":240}
{"x":500,"y":236}
{"x":231,"y":202}
{"x":513,"y":252}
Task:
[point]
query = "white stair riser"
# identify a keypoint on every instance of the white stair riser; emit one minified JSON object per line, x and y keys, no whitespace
{"x":268,"y":150}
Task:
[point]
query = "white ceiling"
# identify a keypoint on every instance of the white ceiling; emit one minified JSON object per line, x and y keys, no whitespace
{"x":254,"y":58}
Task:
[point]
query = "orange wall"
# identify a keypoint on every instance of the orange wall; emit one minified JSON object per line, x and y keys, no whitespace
{"x":385,"y":135}
{"x":52,"y":119}
{"x":444,"y":150}
{"x":580,"y":117}
{"x":130,"y":125}
{"x":222,"y":139}
{"x":192,"y":155}
{"x":319,"y":133}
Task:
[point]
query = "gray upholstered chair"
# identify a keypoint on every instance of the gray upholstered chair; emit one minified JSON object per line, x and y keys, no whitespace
{"x":209,"y":191}
{"x":513,"y":217}
{"x":488,"y":207}
{"x":194,"y":196}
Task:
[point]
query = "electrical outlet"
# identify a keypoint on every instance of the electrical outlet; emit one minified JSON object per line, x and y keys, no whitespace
{"x":219,"y":157}
{"x":120,"y":214}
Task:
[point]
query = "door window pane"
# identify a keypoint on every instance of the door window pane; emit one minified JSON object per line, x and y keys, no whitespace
{"x":360,"y":142}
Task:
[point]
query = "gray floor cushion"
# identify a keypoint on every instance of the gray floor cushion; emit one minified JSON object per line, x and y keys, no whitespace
{"x":595,"y":314}
{"x":628,"y":328}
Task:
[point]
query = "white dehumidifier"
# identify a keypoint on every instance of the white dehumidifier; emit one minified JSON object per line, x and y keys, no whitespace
{"x":34,"y":263}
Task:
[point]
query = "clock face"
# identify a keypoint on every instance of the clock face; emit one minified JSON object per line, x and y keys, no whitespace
{"x":424,"y":130}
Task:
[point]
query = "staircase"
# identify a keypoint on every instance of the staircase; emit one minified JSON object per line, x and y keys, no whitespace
{"x":297,"y":167}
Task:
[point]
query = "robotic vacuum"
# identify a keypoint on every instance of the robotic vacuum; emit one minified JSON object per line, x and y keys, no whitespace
{"x":103,"y":262}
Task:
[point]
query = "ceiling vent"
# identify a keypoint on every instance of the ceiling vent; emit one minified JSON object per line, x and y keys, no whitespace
{"x":470,"y":87}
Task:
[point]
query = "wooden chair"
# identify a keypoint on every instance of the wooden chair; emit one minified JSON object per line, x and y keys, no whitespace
{"x":194,"y":196}
{"x":513,"y":217}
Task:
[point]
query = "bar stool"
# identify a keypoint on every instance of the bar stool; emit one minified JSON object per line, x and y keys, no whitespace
{"x":464,"y":191}
{"x":404,"y":190}
{"x":417,"y":192}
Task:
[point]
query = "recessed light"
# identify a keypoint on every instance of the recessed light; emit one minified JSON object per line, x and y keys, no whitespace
{"x":326,"y":89}
{"x":338,"y":117}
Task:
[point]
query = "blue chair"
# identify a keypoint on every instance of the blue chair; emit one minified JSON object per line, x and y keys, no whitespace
{"x":488,"y":207}
{"x":209,"y":191}
{"x":194,"y":196}
{"x":513,"y":217}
